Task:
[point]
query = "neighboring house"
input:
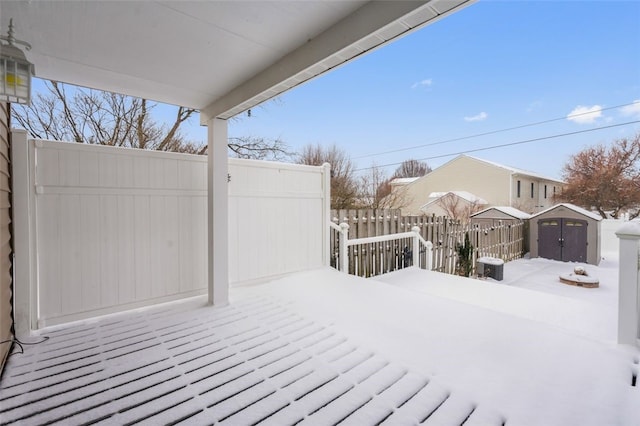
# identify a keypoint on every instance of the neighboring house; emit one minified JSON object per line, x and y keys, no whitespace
{"x":455,"y":204}
{"x":498,"y":184}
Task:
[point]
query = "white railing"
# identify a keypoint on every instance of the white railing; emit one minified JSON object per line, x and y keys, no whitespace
{"x":629,"y":284}
{"x":381,"y":254}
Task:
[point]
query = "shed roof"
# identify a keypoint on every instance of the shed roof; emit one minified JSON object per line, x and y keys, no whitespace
{"x":510,"y":211}
{"x":573,"y":207}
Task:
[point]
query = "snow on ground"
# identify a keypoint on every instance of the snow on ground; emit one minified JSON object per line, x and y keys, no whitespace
{"x":590,"y":312}
{"x":521,"y":351}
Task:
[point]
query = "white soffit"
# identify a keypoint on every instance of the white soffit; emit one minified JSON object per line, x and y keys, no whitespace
{"x":219,"y":57}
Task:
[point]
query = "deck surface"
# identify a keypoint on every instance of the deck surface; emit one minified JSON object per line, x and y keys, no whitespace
{"x":253,"y":362}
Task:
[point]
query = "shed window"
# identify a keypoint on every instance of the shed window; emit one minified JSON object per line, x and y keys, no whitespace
{"x":531,"y":189}
{"x":518,"y":189}
{"x":545,"y":191}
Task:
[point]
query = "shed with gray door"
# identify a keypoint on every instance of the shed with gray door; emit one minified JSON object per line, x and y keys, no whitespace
{"x":565,"y":232}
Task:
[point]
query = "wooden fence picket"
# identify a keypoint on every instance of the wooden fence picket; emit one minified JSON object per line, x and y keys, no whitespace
{"x":506,"y":242}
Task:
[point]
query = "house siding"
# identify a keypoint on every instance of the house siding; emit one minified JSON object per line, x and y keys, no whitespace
{"x":460,"y":174}
{"x":538,"y":202}
{"x":5,"y":237}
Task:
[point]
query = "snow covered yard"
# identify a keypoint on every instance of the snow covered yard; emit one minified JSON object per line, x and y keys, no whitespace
{"x":322,"y":347}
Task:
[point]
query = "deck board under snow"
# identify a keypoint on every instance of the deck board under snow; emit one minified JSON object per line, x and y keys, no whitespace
{"x":253,"y":362}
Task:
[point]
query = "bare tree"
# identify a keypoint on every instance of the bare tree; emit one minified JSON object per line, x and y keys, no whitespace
{"x":605,"y":178}
{"x":96,"y":117}
{"x":70,"y":113}
{"x":376,"y":191}
{"x":458,"y":208}
{"x":412,"y":168}
{"x":344,"y":189}
{"x":259,"y":148}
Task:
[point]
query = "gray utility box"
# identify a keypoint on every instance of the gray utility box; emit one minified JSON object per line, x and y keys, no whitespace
{"x":490,"y":267}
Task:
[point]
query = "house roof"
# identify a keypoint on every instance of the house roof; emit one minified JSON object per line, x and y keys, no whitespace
{"x":467,"y":196}
{"x":403,"y":181}
{"x":573,"y":207}
{"x":510,"y":211}
{"x":218,"y":57}
{"x":513,"y":170}
{"x":462,"y":194}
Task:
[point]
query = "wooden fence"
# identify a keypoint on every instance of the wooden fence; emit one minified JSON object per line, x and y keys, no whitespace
{"x":506,"y":242}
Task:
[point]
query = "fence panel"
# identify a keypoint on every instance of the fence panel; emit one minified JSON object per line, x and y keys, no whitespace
{"x":505,"y":241}
{"x":116,"y":228}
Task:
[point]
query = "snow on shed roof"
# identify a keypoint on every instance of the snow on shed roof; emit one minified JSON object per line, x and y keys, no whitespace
{"x":573,"y":207}
{"x":511,"y":211}
{"x":404,"y":181}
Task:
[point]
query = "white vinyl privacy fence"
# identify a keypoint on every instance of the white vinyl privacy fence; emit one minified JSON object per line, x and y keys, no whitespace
{"x":102,"y":229}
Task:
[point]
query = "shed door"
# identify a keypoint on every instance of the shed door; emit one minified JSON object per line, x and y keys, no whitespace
{"x":574,"y":240}
{"x":550,"y":238}
{"x":563,"y":239}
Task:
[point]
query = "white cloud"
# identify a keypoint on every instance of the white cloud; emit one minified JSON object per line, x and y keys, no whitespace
{"x":585,"y":115}
{"x":478,"y":117}
{"x":632,"y":110}
{"x":424,"y":83}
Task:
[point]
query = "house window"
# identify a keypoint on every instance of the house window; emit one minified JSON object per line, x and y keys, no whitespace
{"x":531,"y":189}
{"x":545,"y":191}
{"x":518,"y":189}
{"x":554,"y":190}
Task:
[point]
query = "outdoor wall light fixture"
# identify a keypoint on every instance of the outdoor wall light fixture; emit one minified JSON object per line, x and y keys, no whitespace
{"x":15,"y":70}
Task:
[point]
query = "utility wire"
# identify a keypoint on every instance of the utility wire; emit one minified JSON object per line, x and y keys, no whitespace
{"x":504,"y":145}
{"x":493,"y":132}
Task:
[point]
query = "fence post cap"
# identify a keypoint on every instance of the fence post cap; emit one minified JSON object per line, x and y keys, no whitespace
{"x":344,"y":226}
{"x":630,"y":230}
{"x":415,"y":229}
{"x":429,"y":245}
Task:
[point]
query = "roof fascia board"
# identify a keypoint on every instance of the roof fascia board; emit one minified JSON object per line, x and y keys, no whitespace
{"x":371,"y":26}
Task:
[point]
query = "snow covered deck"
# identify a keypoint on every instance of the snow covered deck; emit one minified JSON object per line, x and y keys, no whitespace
{"x":321,"y":348}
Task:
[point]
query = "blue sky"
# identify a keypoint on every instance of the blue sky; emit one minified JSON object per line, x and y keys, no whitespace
{"x":491,"y":66}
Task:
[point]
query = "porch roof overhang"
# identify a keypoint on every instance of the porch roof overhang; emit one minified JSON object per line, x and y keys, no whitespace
{"x":221,"y":58}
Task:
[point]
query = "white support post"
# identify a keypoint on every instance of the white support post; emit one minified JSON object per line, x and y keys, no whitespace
{"x":628,"y":294}
{"x":344,"y":237}
{"x":326,"y":240}
{"x":23,"y":191}
{"x":416,"y":246}
{"x":429,"y":265}
{"x":218,"y":213}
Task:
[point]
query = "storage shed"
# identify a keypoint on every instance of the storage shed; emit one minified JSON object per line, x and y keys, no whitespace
{"x":565,"y":232}
{"x":499,"y":215}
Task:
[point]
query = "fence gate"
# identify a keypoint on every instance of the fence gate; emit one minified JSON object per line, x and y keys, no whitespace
{"x":562,"y":239}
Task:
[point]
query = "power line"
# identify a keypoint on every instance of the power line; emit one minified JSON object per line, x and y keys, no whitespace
{"x":490,"y":133}
{"x":504,"y":145}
